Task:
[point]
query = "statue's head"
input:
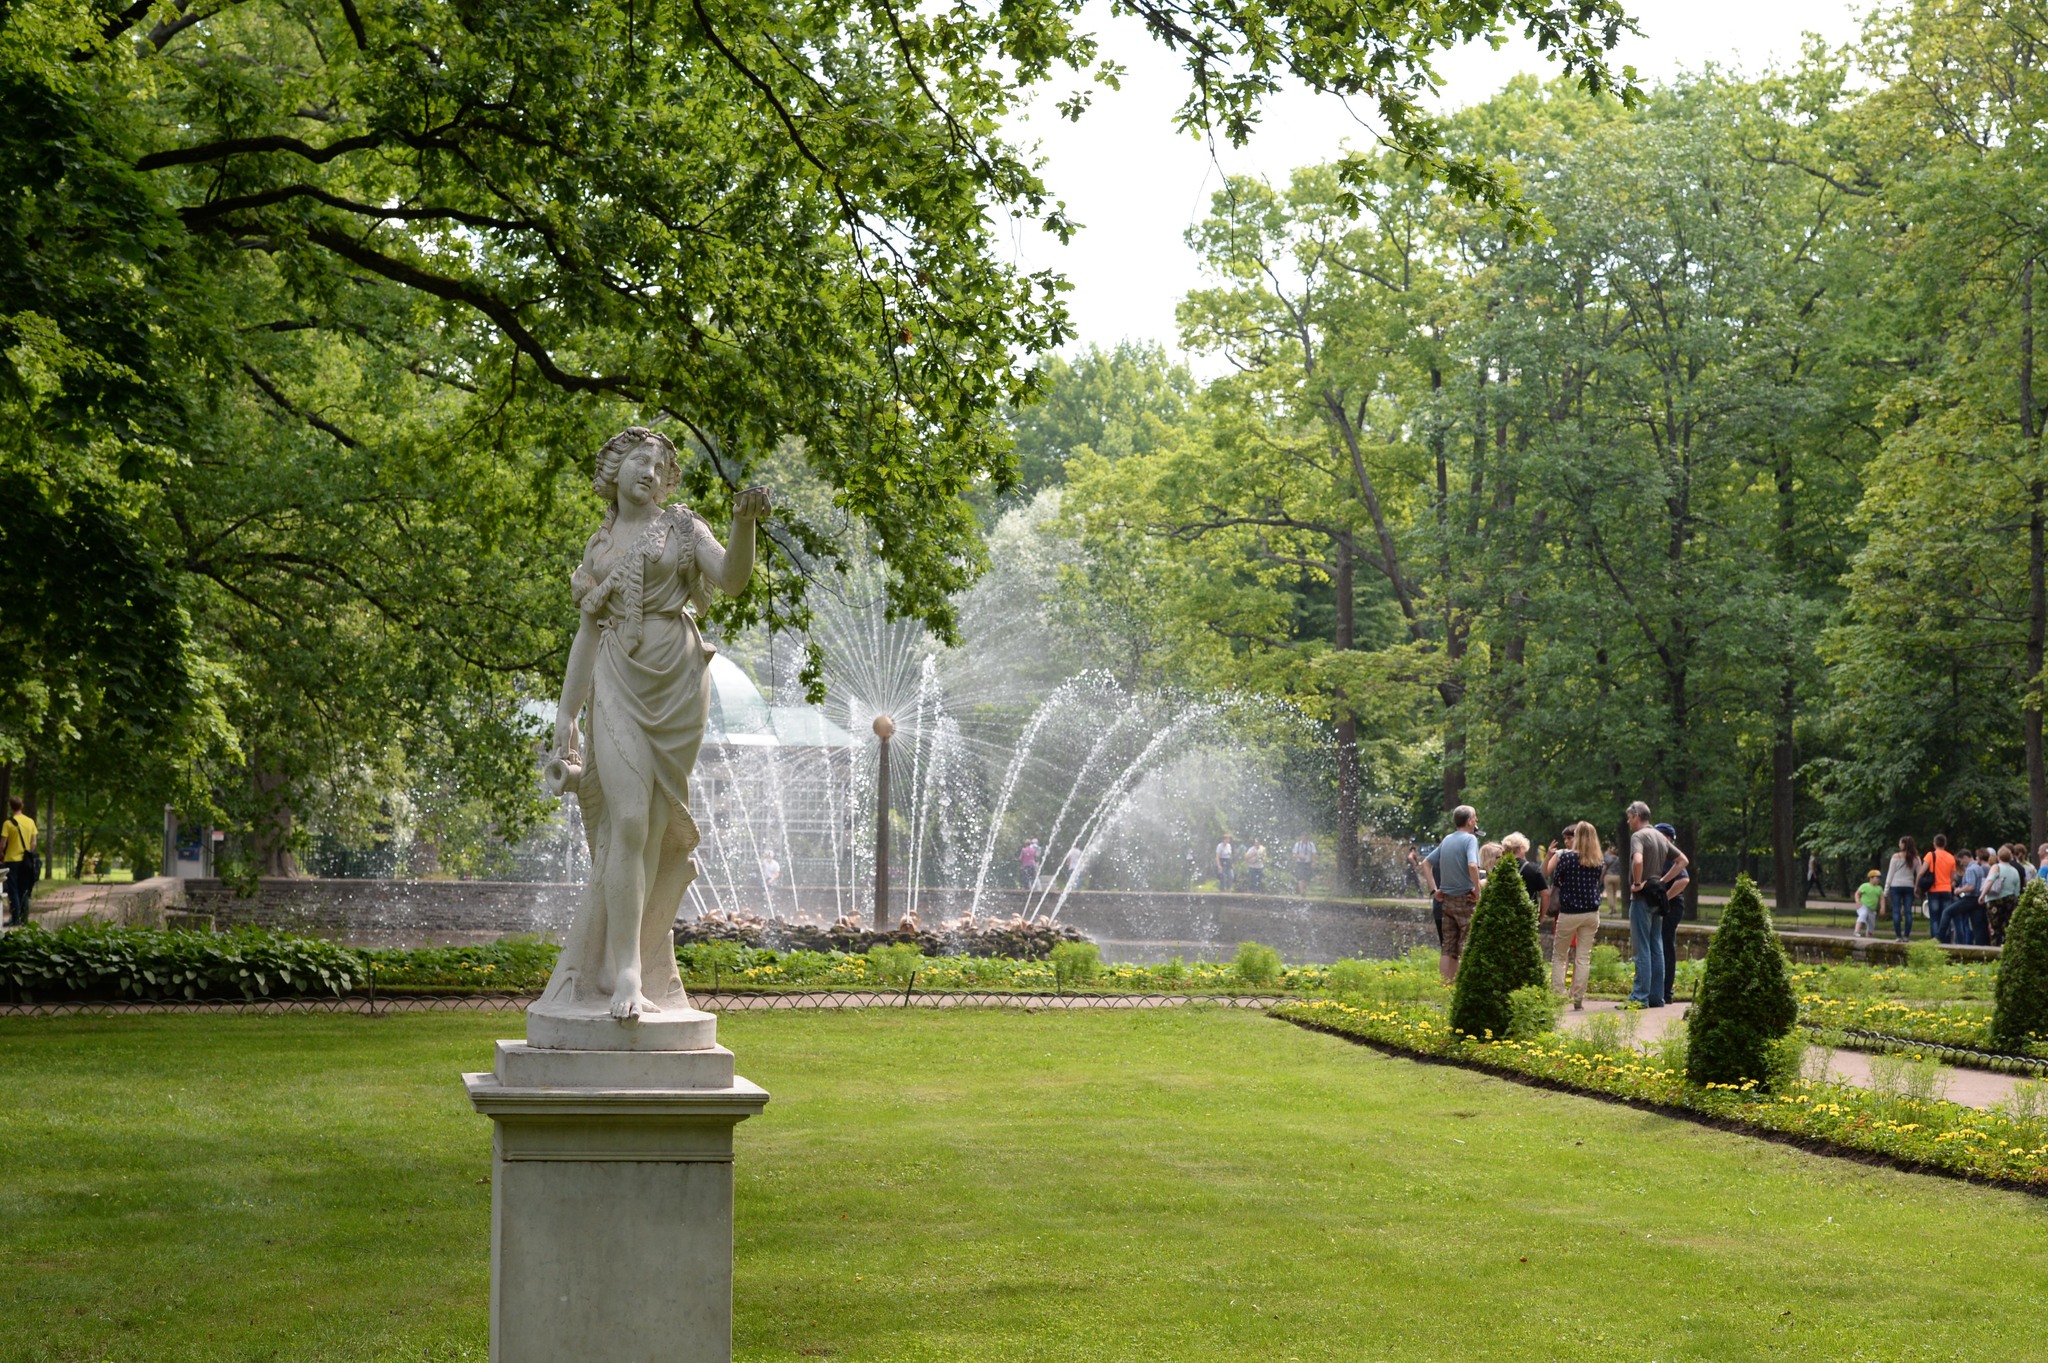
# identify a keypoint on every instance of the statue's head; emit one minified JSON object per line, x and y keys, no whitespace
{"x":629,"y":444}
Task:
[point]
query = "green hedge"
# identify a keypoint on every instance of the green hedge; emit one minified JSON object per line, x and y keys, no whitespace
{"x":94,"y":961}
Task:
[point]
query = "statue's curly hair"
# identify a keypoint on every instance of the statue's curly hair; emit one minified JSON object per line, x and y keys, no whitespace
{"x":605,"y":475}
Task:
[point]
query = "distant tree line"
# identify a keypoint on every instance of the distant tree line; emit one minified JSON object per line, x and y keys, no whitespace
{"x":1723,"y":488}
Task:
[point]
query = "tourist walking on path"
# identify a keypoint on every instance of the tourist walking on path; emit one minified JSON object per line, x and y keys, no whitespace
{"x":23,"y":863}
{"x":1577,"y":872}
{"x":1255,"y":867}
{"x":1305,"y":863}
{"x":1869,"y":902}
{"x":1650,"y":855}
{"x":1226,"y":864}
{"x":2002,"y":896}
{"x":1611,"y":882}
{"x":1456,"y":882}
{"x":1938,"y":881}
{"x":1901,"y":879}
{"x":1677,"y":879}
{"x":1027,"y":863}
{"x":1813,"y":886}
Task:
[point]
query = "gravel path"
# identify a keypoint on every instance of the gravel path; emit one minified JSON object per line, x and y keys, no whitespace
{"x":1970,"y":1087}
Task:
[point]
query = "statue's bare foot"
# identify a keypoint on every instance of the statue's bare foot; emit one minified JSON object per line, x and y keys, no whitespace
{"x":628,"y":1003}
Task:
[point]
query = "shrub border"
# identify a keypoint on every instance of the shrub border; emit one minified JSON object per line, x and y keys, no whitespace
{"x":1813,"y":1145}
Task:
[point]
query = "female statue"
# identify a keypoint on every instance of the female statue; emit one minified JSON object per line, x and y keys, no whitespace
{"x":640,"y":663}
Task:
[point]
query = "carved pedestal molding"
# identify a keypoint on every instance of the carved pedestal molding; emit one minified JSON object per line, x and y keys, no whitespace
{"x":611,"y":1189}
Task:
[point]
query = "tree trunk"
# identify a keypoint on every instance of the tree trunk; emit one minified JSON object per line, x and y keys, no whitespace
{"x":271,"y":838}
{"x":2037,"y":572}
{"x":1790,"y":884}
{"x":1350,"y":879}
{"x":1452,"y":689}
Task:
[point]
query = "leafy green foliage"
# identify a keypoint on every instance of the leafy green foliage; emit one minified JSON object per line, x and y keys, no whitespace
{"x":320,"y":312}
{"x":515,"y":964}
{"x":1532,"y":1011}
{"x":2020,"y":1014}
{"x":1256,"y":963}
{"x":895,"y":964}
{"x":1076,"y":963}
{"x":1745,"y":1001}
{"x":95,"y":961}
{"x":1501,"y":956}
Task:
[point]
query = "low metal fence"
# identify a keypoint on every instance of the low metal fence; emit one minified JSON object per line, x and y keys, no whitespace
{"x":714,"y":1001}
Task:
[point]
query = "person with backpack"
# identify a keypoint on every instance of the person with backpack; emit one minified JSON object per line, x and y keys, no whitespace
{"x":1901,"y":883}
{"x":1027,"y":863}
{"x":1576,"y":870}
{"x":2001,"y":895}
{"x":23,"y":862}
{"x":1650,"y":856}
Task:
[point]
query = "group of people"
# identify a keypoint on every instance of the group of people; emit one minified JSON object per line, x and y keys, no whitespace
{"x":1229,"y":862}
{"x":1967,"y":900}
{"x":1567,"y":884}
{"x":1031,"y":865}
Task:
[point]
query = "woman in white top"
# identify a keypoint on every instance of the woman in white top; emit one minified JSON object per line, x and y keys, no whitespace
{"x":1901,"y":881}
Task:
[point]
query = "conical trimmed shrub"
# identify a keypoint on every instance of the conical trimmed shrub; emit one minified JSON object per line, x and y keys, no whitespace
{"x":1745,"y":1001}
{"x":1501,"y":955}
{"x":2021,"y":1014}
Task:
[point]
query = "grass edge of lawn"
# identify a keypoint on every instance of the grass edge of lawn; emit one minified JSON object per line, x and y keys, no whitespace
{"x":1811,"y":1144}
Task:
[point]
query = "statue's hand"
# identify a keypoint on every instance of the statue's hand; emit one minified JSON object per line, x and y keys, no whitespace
{"x":751,"y":504}
{"x":568,"y":738}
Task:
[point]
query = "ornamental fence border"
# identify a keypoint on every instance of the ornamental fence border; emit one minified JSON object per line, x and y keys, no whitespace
{"x":715,"y":1001}
{"x":1971,"y":1056}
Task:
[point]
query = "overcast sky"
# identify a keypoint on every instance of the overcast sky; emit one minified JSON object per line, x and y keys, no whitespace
{"x":1136,"y":185}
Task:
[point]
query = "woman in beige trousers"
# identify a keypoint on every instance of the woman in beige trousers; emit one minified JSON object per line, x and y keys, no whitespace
{"x":1575,"y":873}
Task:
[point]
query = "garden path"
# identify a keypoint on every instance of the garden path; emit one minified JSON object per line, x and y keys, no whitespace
{"x":1970,"y":1087}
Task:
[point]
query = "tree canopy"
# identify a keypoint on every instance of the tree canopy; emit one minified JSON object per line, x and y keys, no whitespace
{"x":311,"y":314}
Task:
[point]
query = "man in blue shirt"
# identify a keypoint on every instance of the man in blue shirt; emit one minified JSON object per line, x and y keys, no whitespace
{"x":1457,"y":886}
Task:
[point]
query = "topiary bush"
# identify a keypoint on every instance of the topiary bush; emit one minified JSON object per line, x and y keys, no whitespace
{"x":2020,"y":1007}
{"x":1745,"y":1001}
{"x":1501,"y":956}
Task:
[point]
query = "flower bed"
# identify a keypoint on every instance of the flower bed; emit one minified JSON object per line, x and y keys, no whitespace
{"x":2003,"y":1146}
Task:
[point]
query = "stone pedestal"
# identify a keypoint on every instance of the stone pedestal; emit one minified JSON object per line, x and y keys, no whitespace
{"x":611,"y":1190}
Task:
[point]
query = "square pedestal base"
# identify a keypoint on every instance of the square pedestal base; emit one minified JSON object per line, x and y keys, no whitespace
{"x":611,"y":1203}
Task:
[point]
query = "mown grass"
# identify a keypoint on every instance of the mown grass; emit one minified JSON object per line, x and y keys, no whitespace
{"x":1186,"y":1184}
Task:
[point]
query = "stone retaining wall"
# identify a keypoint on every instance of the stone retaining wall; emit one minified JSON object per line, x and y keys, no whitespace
{"x":1130,"y":925}
{"x":392,"y":912}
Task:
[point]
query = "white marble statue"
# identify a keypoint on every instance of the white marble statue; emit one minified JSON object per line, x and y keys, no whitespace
{"x":639,"y":663}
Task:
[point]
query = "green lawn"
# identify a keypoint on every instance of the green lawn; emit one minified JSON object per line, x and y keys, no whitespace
{"x":1172,"y":1185}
